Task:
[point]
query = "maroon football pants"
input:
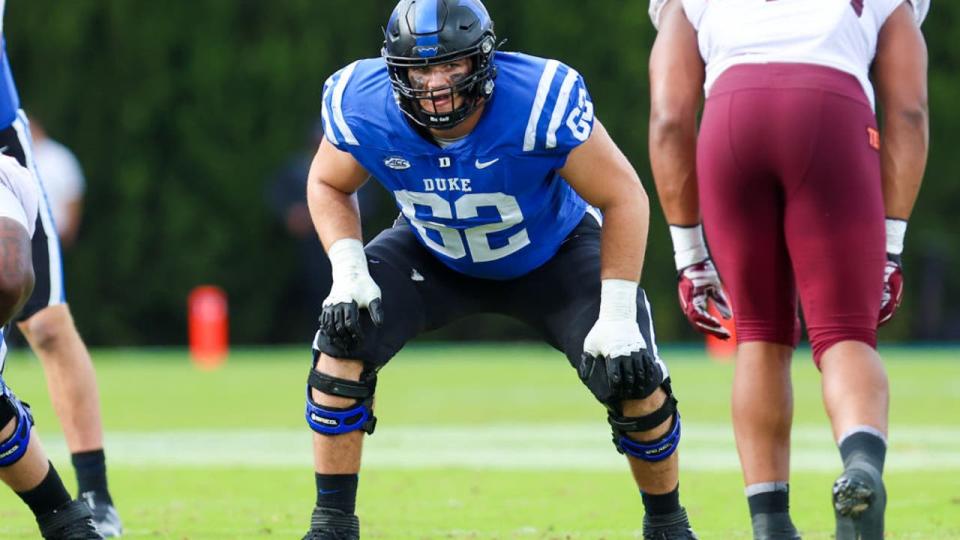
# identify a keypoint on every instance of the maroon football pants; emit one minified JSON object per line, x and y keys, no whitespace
{"x":790,"y":191}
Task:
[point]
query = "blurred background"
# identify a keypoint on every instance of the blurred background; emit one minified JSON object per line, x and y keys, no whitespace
{"x":194,"y":121}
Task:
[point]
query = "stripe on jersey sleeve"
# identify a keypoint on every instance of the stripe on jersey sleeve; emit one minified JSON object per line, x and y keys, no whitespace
{"x":561,"y":106}
{"x":336,"y":104}
{"x":325,"y":113}
{"x":543,"y":90}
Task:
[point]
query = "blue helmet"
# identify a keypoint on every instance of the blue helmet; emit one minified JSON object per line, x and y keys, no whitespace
{"x":431,"y":32}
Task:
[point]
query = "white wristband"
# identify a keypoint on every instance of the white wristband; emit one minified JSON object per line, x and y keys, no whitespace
{"x":347,"y":259}
{"x":689,"y":247}
{"x":618,"y":300}
{"x":896,"y":230}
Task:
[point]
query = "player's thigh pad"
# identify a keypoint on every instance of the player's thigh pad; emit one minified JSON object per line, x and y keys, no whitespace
{"x":387,"y":256}
{"x":14,"y":446}
{"x":561,"y":299}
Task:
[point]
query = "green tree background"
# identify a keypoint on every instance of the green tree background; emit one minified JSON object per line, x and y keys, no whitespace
{"x":181,"y":110}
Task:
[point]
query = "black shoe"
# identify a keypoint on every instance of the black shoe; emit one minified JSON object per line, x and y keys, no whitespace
{"x":105,"y":516}
{"x":859,"y":502}
{"x":673,"y":526}
{"x":72,"y":521}
{"x":775,"y":526}
{"x":333,"y":524}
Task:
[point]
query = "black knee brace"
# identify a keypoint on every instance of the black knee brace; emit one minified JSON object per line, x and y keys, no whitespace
{"x":14,"y":447}
{"x":651,"y":451}
{"x":338,"y":421}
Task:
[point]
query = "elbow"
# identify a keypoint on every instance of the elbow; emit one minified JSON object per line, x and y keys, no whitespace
{"x":629,"y":198}
{"x":913,"y":113}
{"x":669,"y":122}
{"x":916,"y":116}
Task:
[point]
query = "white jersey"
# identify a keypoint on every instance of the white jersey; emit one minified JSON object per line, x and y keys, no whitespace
{"x":62,"y":176}
{"x":841,"y":34}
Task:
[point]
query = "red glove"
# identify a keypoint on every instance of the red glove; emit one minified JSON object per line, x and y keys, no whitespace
{"x":892,"y":288}
{"x":893,"y":272}
{"x":699,"y":283}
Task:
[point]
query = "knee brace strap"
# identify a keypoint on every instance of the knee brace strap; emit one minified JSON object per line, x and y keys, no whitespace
{"x":15,"y":446}
{"x":627,"y":424}
{"x":338,"y":421}
{"x":653,"y":451}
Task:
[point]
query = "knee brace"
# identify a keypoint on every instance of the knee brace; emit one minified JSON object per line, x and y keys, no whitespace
{"x":651,"y":451}
{"x":15,"y":446}
{"x":338,"y":421}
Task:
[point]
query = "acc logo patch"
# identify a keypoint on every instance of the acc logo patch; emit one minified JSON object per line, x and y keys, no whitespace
{"x":397,"y":163}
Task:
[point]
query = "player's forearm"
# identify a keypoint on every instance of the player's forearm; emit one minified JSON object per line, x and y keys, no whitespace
{"x":673,"y":143}
{"x":335,"y":214}
{"x":624,"y":236}
{"x":905,"y":138}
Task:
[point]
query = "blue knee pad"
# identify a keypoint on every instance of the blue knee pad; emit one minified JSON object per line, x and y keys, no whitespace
{"x":15,"y":446}
{"x":338,"y":421}
{"x":651,"y":451}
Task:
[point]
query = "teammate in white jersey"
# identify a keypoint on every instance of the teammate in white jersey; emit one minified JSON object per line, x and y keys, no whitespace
{"x":794,"y":180}
{"x":46,"y":322}
{"x":24,"y":465}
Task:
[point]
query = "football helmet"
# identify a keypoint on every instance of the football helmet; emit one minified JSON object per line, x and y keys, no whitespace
{"x":431,"y":32}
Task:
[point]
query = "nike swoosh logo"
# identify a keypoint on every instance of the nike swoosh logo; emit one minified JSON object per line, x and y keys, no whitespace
{"x":485,"y":164}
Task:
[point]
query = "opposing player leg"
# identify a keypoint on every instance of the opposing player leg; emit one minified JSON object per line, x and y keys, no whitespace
{"x":835,"y":231}
{"x":48,"y":326}
{"x":562,"y":299}
{"x":741,"y":201}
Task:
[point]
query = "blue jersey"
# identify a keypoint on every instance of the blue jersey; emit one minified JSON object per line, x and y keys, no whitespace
{"x":9,"y":99}
{"x":492,"y":204}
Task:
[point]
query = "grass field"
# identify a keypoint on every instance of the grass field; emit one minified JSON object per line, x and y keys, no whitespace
{"x":474,"y":442}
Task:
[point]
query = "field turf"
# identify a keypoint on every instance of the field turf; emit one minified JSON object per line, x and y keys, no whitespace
{"x":474,"y":442}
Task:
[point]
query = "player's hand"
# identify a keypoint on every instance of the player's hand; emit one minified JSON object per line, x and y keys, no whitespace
{"x":892,"y":288}
{"x":616,"y":364}
{"x":700,"y":283}
{"x":353,"y":290}
{"x":340,"y":319}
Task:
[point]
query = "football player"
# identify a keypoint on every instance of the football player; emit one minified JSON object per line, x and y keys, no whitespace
{"x":514,"y":200}
{"x":23,"y":464}
{"x":46,"y":322}
{"x":795,"y":180}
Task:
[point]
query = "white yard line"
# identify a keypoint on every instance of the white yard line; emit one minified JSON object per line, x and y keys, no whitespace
{"x":587,"y":447}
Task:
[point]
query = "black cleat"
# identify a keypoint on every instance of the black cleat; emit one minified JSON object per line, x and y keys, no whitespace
{"x":774,"y":526}
{"x":859,"y":502}
{"x":673,"y":526}
{"x":332,"y":524}
{"x":105,"y":515}
{"x":72,"y":521}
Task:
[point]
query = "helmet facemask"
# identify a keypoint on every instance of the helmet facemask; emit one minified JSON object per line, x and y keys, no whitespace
{"x":474,"y":89}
